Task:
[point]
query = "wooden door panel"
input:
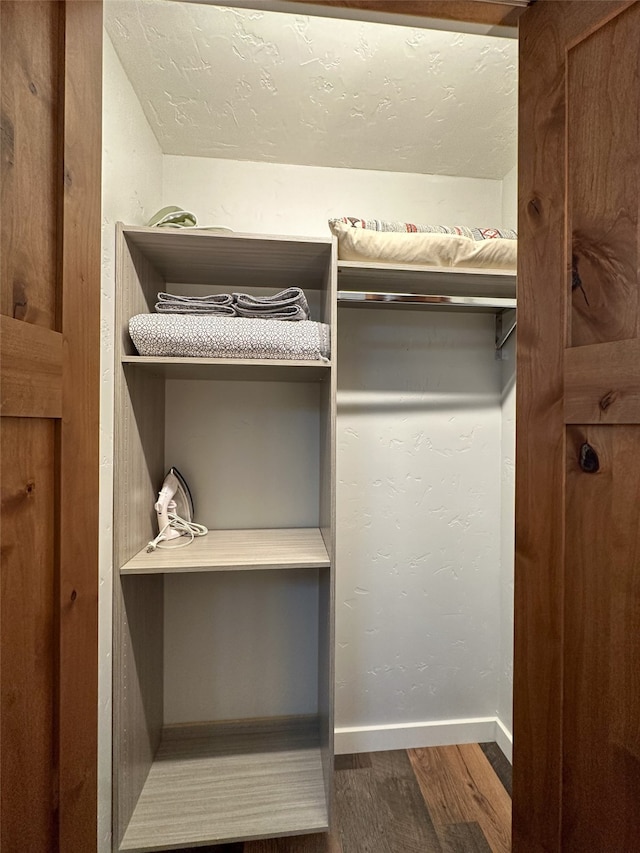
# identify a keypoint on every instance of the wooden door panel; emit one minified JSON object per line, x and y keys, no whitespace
{"x":31,"y":370}
{"x":603,"y":150}
{"x":602,"y":383}
{"x":30,"y":160}
{"x":49,"y":402}
{"x":601,"y":755}
{"x":577,"y":364}
{"x":27,"y":630}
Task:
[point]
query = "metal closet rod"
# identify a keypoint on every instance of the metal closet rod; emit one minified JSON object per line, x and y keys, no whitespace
{"x":497,"y":302}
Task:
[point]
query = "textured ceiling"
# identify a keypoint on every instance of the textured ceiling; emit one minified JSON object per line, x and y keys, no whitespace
{"x":266,"y":86}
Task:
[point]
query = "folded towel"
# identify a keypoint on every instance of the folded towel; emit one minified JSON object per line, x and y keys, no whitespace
{"x":216,"y":304}
{"x":217,"y":298}
{"x":209,"y":308}
{"x":288,"y":304}
{"x":287,"y":312}
{"x":229,"y":337}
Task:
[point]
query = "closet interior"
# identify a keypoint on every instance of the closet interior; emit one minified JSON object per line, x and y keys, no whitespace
{"x":354,"y":591}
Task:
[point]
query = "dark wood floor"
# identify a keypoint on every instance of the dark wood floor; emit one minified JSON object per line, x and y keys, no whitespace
{"x":447,"y":799}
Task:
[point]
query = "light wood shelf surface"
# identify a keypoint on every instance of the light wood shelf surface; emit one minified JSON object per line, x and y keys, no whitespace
{"x":236,"y":550}
{"x":241,"y":369}
{"x":233,"y":260}
{"x":414,"y":278}
{"x":216,"y":783}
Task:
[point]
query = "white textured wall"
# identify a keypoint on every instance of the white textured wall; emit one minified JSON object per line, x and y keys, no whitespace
{"x":418,"y":604}
{"x":510,"y":198}
{"x":131,"y":192}
{"x":283,"y":199}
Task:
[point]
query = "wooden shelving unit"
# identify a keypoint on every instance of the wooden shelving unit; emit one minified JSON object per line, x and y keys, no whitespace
{"x":218,"y":781}
{"x":207,"y":783}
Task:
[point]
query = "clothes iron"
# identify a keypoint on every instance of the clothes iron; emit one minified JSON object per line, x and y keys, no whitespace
{"x":174,"y":509}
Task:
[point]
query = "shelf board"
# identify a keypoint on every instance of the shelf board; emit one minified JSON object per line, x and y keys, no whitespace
{"x":234,"y":260}
{"x":244,"y":369}
{"x":217,"y":783}
{"x":437,"y":281}
{"x":236,"y":550}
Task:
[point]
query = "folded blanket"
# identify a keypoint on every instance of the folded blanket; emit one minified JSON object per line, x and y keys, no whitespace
{"x":288,"y":304}
{"x":189,"y":335}
{"x":217,"y":303}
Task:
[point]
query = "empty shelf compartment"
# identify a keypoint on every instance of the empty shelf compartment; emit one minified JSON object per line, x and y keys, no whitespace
{"x":219,"y":782}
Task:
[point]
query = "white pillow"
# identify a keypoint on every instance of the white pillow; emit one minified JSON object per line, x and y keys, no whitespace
{"x":441,"y":250}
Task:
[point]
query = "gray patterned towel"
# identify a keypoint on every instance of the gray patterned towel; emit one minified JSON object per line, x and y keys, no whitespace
{"x":215,"y":304}
{"x":189,"y":335}
{"x":287,"y":312}
{"x":289,"y":304}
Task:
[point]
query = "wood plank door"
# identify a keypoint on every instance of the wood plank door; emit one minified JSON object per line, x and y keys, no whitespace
{"x":49,"y":396}
{"x":577,"y":656}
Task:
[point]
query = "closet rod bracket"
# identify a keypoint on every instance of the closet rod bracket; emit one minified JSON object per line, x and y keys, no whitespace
{"x":505,"y":326}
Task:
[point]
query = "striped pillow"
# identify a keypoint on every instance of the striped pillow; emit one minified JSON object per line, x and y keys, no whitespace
{"x":410,"y":228}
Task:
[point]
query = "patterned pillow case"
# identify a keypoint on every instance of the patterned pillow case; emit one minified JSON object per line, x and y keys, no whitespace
{"x":410,"y":228}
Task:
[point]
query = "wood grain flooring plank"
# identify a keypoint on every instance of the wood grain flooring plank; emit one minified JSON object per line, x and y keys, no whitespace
{"x":356,"y":813}
{"x":459,"y":786}
{"x":403,"y":811}
{"x":379,"y":806}
{"x":494,"y":804}
{"x":355,"y":761}
{"x":464,"y":838}
{"x":392,"y":764}
{"x":317,"y":843}
{"x":500,"y":763}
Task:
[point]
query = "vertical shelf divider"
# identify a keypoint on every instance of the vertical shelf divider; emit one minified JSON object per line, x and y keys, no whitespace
{"x":326,"y":604}
{"x":137,"y":608}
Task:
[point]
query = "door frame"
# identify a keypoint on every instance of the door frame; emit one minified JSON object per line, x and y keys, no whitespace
{"x":81,"y":256}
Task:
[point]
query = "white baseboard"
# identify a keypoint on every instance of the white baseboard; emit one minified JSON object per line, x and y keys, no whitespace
{"x":504,"y":739}
{"x":414,"y":735}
